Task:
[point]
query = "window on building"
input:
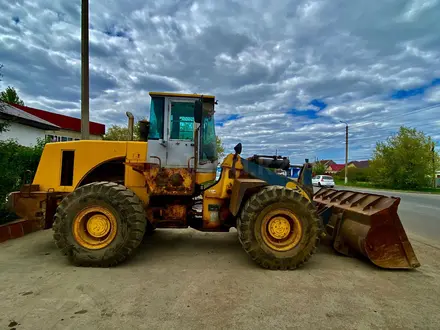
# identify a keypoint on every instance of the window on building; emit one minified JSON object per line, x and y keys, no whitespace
{"x":57,"y":138}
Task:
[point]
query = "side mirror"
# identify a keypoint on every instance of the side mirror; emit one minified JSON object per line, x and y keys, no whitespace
{"x":198,"y":110}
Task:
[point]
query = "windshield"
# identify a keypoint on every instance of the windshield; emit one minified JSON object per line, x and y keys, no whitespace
{"x":326,"y":177}
{"x":156,"y":118}
{"x":208,"y":146}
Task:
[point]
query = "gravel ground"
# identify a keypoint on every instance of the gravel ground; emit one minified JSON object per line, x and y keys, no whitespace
{"x":185,"y":279}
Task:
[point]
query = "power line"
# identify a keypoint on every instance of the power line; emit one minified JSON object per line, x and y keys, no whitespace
{"x":429,"y":107}
{"x":395,"y":115}
{"x":431,"y":126}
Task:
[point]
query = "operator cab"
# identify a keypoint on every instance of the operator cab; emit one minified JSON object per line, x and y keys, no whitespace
{"x":182,"y":132}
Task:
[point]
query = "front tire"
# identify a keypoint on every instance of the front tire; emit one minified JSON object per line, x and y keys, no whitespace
{"x":278,"y":228}
{"x":99,"y":224}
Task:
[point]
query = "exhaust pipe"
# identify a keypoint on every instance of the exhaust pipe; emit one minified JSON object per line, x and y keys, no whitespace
{"x":130,"y":125}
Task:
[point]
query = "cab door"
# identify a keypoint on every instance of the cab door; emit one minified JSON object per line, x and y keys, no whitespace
{"x":180,"y":148}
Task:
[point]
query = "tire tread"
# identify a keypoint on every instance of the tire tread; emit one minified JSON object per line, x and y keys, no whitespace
{"x":254,"y":205}
{"x":125,"y":201}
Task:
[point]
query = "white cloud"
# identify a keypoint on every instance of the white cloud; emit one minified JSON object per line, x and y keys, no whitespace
{"x":433,"y":95}
{"x":260,"y":61}
{"x":416,"y":7}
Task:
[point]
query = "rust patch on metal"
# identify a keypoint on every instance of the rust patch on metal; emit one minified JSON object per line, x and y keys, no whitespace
{"x":175,"y":212}
{"x":168,"y":215}
{"x":39,"y":206}
{"x":166,"y":181}
{"x":367,"y":224}
{"x":170,"y":181}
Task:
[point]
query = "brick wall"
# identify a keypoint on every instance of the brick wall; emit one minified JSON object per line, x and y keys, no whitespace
{"x":17,"y":229}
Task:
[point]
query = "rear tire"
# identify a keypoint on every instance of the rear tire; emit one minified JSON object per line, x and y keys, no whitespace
{"x":277,"y":203}
{"x":115,"y":202}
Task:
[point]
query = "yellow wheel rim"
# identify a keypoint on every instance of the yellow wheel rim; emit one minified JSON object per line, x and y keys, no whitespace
{"x":281,"y":230}
{"x":94,"y":227}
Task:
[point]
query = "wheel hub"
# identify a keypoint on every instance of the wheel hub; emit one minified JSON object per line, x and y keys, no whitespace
{"x":98,"y":225}
{"x":279,"y":227}
{"x":95,"y":227}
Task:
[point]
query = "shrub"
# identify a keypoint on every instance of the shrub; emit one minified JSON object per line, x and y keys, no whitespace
{"x":355,"y":175}
{"x":15,"y":160}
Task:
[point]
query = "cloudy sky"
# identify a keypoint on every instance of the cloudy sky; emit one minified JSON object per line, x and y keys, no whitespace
{"x":285,"y":73}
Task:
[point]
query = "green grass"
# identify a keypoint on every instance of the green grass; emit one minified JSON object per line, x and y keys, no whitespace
{"x":371,"y":186}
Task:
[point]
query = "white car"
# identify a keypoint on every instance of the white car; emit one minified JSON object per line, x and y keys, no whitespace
{"x":323,"y":181}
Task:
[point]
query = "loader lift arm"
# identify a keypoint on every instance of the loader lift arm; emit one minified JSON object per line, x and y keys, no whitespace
{"x":262,"y":176}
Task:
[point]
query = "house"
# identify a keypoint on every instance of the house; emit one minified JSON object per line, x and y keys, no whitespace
{"x":293,"y":171}
{"x":24,"y":127}
{"x":325,"y":162}
{"x":69,"y":128}
{"x":334,"y":168}
{"x":359,"y":164}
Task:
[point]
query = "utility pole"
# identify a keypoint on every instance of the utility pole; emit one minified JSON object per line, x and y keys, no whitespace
{"x":433,"y":165}
{"x":346,"y":151}
{"x":84,"y":69}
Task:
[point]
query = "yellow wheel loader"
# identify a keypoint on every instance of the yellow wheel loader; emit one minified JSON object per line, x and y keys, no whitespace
{"x":101,"y":197}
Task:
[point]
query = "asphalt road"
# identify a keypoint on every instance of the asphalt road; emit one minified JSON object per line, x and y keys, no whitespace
{"x":419,"y":213}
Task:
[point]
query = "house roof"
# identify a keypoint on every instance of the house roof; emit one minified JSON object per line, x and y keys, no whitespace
{"x":360,"y":163}
{"x":337,"y":167}
{"x":8,"y":111}
{"x":325,"y":161}
{"x":63,"y":121}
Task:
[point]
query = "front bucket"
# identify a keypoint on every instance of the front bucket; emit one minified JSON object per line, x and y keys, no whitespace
{"x":367,"y":224}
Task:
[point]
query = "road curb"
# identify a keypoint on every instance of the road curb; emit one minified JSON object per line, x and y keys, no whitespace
{"x":17,"y":229}
{"x":390,"y":190}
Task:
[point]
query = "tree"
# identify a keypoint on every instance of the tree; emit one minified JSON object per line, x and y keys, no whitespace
{"x":4,"y":124}
{"x":120,"y":133}
{"x":319,"y":168}
{"x":9,"y":95}
{"x":404,"y":160}
{"x":220,"y":148}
